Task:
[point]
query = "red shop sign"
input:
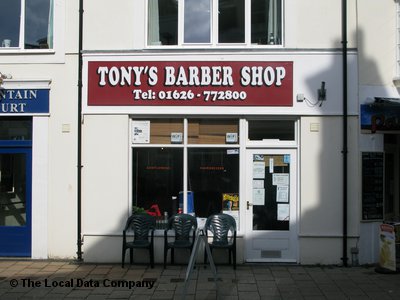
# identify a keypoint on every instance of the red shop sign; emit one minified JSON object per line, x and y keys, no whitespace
{"x":194,"y":83}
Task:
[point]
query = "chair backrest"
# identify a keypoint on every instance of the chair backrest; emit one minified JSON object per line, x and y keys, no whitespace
{"x":220,"y":225}
{"x":182,"y":224}
{"x":141,"y":225}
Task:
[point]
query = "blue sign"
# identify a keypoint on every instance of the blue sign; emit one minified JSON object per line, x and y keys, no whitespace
{"x":286,"y":158}
{"x":24,"y":101}
{"x":380,"y":117}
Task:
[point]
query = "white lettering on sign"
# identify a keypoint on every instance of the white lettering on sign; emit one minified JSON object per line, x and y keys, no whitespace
{"x":250,"y":82}
{"x":13,"y":107}
{"x":191,"y":76}
{"x":124,"y":75}
{"x":216,"y":76}
{"x":18,"y":94}
{"x":258,"y":76}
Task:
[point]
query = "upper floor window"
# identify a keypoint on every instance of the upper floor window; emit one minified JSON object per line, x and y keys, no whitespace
{"x":214,"y":22}
{"x":26,"y":24}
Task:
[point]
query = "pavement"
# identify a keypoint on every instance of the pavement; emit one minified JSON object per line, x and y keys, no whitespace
{"x":49,"y":279}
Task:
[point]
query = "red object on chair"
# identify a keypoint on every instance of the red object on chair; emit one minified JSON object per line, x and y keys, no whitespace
{"x":154,"y":211}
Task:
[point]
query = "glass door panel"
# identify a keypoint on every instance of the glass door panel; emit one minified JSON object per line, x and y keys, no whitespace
{"x":271,"y":206}
{"x":12,"y":190}
{"x":271,"y":192}
{"x":15,"y":201}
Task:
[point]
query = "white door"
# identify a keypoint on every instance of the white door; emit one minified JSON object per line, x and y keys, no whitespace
{"x":271,"y":233}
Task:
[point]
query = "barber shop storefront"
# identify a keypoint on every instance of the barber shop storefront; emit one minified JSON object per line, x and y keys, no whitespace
{"x":198,"y":137}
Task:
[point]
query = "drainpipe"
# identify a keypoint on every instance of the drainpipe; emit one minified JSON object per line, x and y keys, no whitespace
{"x":345,"y":150}
{"x":79,"y":136}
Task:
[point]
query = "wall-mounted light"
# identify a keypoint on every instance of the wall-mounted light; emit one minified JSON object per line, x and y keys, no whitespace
{"x":322,"y":92}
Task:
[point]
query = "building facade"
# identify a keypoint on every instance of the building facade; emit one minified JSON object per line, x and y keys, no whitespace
{"x":200,"y":107}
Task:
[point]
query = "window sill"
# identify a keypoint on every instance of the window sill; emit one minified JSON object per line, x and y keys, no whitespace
{"x":215,"y":47}
{"x":31,"y":56}
{"x":17,"y":51}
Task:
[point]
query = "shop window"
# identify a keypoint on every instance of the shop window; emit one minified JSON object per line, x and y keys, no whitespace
{"x":231,"y":21}
{"x":12,"y":128}
{"x":213,"y":131}
{"x":163,"y":22}
{"x":26,"y":24}
{"x":213,"y":173}
{"x":214,"y":22}
{"x":283,"y":130}
{"x":157,"y":131}
{"x":210,"y":174}
{"x":197,"y":18}
{"x":266,"y":20}
{"x":157,"y":177}
{"x":166,"y":131}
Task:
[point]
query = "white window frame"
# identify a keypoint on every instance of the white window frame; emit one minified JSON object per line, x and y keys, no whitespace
{"x":19,"y":55}
{"x":273,"y":143}
{"x":185,"y":145}
{"x":214,"y":30}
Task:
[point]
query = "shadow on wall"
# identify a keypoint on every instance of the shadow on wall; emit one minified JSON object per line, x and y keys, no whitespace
{"x":322,"y":146}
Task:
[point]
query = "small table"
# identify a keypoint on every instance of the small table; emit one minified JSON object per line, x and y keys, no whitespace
{"x":201,"y":237}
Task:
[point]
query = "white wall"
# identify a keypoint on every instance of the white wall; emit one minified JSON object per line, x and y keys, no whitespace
{"x":40,"y":188}
{"x":321,"y":188}
{"x":317,"y":24}
{"x":112,"y":25}
{"x":376,"y":38}
{"x":105,"y":173}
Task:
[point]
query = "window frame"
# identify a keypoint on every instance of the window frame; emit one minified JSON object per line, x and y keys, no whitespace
{"x":22,"y":28}
{"x":214,"y":30}
{"x":185,"y":146}
{"x":242,"y":146}
{"x":273,"y":142}
{"x":53,"y":55}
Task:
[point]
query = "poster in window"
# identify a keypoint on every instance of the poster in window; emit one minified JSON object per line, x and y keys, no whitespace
{"x":258,"y":196}
{"x":280,"y":179}
{"x":258,"y":184}
{"x":282,"y":193}
{"x":259,"y":169}
{"x":271,"y":165}
{"x":176,"y":137}
{"x":230,"y":201}
{"x":387,"y":247}
{"x":141,"y":132}
{"x":283,"y":212}
{"x":235,"y":215}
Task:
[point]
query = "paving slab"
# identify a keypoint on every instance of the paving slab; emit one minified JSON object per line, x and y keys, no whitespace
{"x":48,"y":279}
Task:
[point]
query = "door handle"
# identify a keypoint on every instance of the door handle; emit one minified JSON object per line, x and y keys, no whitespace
{"x":249,"y":204}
